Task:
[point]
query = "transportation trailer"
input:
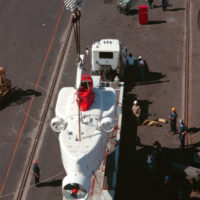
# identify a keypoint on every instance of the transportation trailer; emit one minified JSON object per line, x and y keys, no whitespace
{"x":86,"y":117}
{"x":106,"y":58}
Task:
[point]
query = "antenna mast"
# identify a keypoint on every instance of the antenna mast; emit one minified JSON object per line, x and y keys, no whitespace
{"x":74,"y":7}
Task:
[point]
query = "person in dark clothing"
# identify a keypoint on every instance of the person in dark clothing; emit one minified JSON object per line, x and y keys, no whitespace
{"x":166,"y":188}
{"x":157,"y":146}
{"x":164,"y":5}
{"x":182,"y":132}
{"x":172,"y":118}
{"x":150,"y":3}
{"x":156,"y":155}
{"x":141,"y":68}
{"x":36,"y":171}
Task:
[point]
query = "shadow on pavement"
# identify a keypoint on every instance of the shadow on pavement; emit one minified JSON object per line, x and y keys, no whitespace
{"x":160,"y":6}
{"x":133,"y":12}
{"x":198,"y":20}
{"x":175,"y":9}
{"x":193,"y":130}
{"x":19,"y":96}
{"x":108,"y":1}
{"x":132,"y":77}
{"x":135,"y":180}
{"x":144,"y":105}
{"x":157,"y":22}
{"x":169,"y":5}
{"x":53,"y":183}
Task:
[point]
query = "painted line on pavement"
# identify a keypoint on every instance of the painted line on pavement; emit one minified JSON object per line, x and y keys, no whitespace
{"x":31,"y":101}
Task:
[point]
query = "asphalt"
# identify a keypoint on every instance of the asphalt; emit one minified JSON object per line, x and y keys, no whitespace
{"x":29,"y":48}
{"x":162,"y":45}
{"x":24,"y":50}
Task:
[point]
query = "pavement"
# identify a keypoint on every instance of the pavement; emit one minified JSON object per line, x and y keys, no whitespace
{"x":161,"y":43}
{"x":29,"y":48}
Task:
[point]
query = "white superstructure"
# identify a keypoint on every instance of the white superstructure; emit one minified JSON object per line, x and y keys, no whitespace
{"x":81,"y":158}
{"x":106,"y":55}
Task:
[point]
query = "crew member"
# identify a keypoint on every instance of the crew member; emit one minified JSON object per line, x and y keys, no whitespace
{"x":140,"y":63}
{"x":172,"y":118}
{"x":130,"y":59}
{"x":136,"y":110}
{"x":36,"y":171}
{"x":182,"y":132}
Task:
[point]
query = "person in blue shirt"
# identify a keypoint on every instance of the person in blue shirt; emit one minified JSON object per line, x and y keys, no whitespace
{"x":172,"y":118}
{"x":141,"y":68}
{"x":36,"y":171}
{"x":130,"y":59}
{"x":164,"y":5}
{"x":182,"y":132}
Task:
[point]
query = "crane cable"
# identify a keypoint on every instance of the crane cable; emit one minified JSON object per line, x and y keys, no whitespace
{"x":76,"y":24}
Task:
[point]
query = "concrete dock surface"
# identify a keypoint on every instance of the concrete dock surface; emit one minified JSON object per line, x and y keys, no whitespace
{"x":163,"y":46}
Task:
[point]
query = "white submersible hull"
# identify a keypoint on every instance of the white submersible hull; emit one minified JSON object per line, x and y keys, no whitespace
{"x":83,"y":137}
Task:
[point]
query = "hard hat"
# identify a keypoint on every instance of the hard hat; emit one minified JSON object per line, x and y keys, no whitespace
{"x":135,"y":102}
{"x":139,"y":57}
{"x":173,"y":109}
{"x":181,"y":120}
{"x":35,"y":162}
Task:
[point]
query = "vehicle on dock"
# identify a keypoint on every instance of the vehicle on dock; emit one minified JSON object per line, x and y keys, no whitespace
{"x":106,"y":59}
{"x":124,"y":6}
{"x":85,"y":115}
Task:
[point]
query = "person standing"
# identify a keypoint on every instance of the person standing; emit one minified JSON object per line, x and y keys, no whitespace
{"x":150,"y":3}
{"x":157,"y":146}
{"x":36,"y":171}
{"x":140,"y":64}
{"x":150,"y":162}
{"x":130,"y":59}
{"x":124,"y":56}
{"x":156,"y":154}
{"x":124,"y":63}
{"x":164,"y":5}
{"x":182,"y":132}
{"x":172,"y":118}
{"x":136,"y":110}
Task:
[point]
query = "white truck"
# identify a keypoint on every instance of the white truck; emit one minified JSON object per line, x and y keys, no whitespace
{"x":107,"y":58}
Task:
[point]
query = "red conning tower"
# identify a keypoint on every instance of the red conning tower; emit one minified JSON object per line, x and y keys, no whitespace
{"x":86,"y":93}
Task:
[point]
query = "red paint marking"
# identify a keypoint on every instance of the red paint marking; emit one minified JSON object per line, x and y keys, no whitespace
{"x":92,"y":187}
{"x":30,"y":104}
{"x":49,"y":47}
{"x":106,"y":165}
{"x":106,"y":157}
{"x":116,"y":128}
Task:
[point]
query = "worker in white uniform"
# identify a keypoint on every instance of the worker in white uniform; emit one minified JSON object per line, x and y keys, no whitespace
{"x":136,"y":110}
